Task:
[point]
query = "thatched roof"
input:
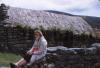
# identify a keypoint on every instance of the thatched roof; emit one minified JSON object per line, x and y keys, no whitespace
{"x":49,"y":20}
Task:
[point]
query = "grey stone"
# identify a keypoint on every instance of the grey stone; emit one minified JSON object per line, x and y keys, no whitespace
{"x":97,"y":45}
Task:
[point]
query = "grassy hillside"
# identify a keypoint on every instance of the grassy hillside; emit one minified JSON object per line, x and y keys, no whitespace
{"x":95,"y":23}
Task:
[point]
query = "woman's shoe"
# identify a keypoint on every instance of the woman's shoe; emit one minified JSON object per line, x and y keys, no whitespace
{"x":12,"y":65}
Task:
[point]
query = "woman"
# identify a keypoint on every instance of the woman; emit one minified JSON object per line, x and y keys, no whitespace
{"x":37,"y":51}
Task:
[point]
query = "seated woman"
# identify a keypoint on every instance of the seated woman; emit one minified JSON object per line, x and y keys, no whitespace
{"x":37,"y":51}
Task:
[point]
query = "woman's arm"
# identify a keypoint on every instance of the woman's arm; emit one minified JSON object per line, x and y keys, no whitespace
{"x":30,"y":51}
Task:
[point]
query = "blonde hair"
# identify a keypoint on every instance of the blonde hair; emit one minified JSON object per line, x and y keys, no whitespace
{"x":38,"y":31}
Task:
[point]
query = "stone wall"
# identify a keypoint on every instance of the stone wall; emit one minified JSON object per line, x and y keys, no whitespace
{"x":10,"y":37}
{"x":62,"y":57}
{"x":18,"y":37}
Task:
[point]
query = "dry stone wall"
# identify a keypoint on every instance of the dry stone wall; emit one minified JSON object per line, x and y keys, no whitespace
{"x":18,"y":37}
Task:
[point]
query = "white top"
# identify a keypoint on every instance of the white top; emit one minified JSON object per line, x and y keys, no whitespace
{"x":42,"y":46}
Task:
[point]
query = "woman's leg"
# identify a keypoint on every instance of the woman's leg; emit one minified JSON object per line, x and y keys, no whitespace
{"x":32,"y":60}
{"x":21,"y":62}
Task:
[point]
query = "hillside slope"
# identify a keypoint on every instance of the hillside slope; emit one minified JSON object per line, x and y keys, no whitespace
{"x":95,"y":23}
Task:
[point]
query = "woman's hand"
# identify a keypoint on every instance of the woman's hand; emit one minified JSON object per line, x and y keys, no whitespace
{"x":29,"y":52}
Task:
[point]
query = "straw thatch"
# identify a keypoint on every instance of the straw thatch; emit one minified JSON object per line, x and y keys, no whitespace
{"x":49,"y":20}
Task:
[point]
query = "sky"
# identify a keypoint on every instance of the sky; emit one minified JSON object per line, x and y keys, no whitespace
{"x":76,"y":7}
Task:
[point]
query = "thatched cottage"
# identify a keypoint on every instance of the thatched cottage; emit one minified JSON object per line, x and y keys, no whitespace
{"x":59,"y":28}
{"x":49,"y":20}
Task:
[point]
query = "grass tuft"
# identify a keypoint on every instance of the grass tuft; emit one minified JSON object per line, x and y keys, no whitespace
{"x":6,"y":58}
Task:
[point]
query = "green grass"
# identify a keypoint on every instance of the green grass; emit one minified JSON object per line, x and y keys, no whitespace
{"x":6,"y":58}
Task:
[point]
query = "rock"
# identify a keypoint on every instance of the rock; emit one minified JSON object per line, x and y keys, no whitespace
{"x":60,"y":49}
{"x":51,"y":49}
{"x":78,"y":50}
{"x":56,"y":48}
{"x":51,"y":65}
{"x":91,"y":50}
{"x":65,"y":50}
{"x":97,"y":45}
